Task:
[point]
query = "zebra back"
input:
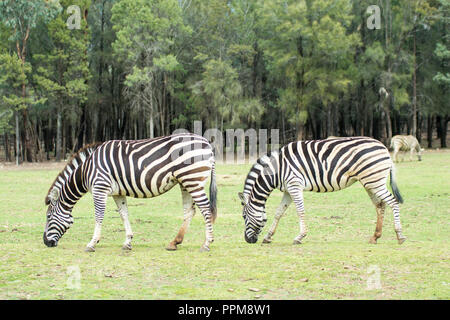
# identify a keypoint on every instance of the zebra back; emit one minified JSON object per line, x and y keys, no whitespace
{"x":405,"y":142}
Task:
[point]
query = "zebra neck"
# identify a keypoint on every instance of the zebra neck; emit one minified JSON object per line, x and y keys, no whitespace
{"x":263,"y":186}
{"x":258,"y":202}
{"x":73,"y":188}
{"x":262,"y":179}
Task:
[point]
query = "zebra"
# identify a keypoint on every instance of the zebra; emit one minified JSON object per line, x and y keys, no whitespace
{"x":321,"y":166}
{"x":134,"y":168}
{"x":406,"y":143}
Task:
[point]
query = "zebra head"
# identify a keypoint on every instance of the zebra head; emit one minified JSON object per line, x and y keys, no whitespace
{"x":59,"y":218}
{"x":419,"y":153}
{"x":254,"y":217}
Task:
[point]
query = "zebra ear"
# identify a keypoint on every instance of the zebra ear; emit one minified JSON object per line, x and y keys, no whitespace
{"x":241,"y":196}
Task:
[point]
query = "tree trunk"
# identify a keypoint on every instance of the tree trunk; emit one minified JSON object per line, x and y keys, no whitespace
{"x":386,"y":125}
{"x":151,"y":125}
{"x":58,"y":136}
{"x":300,"y":131}
{"x":444,"y":122}
{"x":80,"y":140}
{"x":51,"y":140}
{"x":430,"y":131}
{"x":414,"y":97}
{"x":6,"y":142}
{"x":17,"y":138}
{"x":28,"y":143}
{"x":64,"y":139}
{"x":329,"y":122}
{"x":419,"y":128}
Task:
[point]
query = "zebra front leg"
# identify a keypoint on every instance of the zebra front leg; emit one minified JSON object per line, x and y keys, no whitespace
{"x":285,"y":202}
{"x":95,"y":238}
{"x":100,"y":206}
{"x":296,"y":193}
{"x":121,"y":202}
{"x":189,"y":211}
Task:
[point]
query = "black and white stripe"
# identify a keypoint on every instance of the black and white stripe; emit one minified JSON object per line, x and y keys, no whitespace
{"x":406,"y":143}
{"x":321,"y":166}
{"x":135,"y":168}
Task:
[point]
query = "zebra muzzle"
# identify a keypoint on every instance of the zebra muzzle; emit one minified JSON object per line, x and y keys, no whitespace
{"x":49,"y":243}
{"x":251,"y":239}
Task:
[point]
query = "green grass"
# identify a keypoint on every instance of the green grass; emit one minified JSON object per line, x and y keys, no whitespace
{"x":334,"y":262}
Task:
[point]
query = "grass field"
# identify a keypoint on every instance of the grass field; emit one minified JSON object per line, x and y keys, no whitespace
{"x":334,"y":262}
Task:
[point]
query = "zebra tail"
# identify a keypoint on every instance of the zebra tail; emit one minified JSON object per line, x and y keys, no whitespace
{"x":394,"y":187}
{"x":213,"y":194}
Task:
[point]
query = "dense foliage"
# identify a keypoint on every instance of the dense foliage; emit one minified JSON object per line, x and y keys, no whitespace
{"x":134,"y":69}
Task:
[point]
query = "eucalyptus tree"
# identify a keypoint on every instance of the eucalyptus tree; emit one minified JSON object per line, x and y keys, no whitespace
{"x":146,"y":33}
{"x":62,"y":71}
{"x":20,"y":17}
{"x":309,"y":54}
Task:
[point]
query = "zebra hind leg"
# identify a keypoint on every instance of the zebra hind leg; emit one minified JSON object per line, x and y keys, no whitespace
{"x":201,"y":200}
{"x":380,"y":208}
{"x":121,"y":202}
{"x":383,"y":195}
{"x":189,"y":211}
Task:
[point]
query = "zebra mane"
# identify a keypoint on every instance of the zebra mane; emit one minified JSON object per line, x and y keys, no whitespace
{"x":77,"y":159}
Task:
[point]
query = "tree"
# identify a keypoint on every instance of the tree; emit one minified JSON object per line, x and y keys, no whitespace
{"x":63,"y":72}
{"x":218,"y":91}
{"x":14,"y":75}
{"x":146,"y":32}
{"x":309,"y":53}
{"x":20,"y":17}
{"x":442,"y":75}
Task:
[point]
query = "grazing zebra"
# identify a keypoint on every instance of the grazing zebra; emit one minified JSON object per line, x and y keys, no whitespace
{"x":406,"y":143}
{"x":137,"y":168}
{"x":321,"y":166}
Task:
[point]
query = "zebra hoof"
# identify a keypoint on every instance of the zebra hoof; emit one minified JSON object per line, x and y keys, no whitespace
{"x":204,"y":249}
{"x":296,"y":241}
{"x":266,"y":240}
{"x":89,"y":249}
{"x":401,"y":240}
{"x":126,"y":247}
{"x":171,"y":247}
